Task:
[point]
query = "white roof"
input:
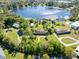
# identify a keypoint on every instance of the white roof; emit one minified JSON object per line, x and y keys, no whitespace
{"x":77,"y":48}
{"x":66,"y":17}
{"x":32,"y":24}
{"x":63,"y":1}
{"x":76,"y":24}
{"x":51,"y":17}
{"x":16,"y":25}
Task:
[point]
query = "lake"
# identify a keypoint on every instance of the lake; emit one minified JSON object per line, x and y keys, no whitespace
{"x":39,"y":12}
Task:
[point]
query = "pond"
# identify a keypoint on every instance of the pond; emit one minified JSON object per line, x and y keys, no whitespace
{"x":39,"y":12}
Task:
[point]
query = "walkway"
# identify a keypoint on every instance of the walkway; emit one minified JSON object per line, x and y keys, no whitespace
{"x":71,"y":44}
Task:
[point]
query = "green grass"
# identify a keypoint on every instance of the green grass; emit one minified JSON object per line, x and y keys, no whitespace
{"x":52,"y":37}
{"x":63,"y":27}
{"x":12,"y":35}
{"x":39,"y":27}
{"x":70,"y":35}
{"x":67,"y":41}
{"x":13,"y":55}
{"x":65,"y":35}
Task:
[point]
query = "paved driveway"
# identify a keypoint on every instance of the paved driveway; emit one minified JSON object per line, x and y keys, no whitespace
{"x":1,"y":53}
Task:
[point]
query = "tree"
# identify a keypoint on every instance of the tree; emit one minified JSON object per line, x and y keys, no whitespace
{"x":50,"y":50}
{"x":1,"y":35}
{"x":50,"y":3}
{"x":29,"y":57}
{"x":45,"y":56}
{"x":23,"y":43}
{"x":58,"y":49}
{"x":2,"y":24}
{"x":75,"y":14}
{"x":28,"y":32}
{"x":69,"y":52}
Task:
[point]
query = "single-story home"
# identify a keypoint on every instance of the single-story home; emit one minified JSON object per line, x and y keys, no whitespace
{"x":16,"y":25}
{"x":60,"y":31}
{"x":65,"y":2}
{"x":31,"y":24}
{"x":40,"y":32}
{"x":75,"y":25}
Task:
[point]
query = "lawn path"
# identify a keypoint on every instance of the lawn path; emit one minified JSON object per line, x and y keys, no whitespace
{"x":71,"y":44}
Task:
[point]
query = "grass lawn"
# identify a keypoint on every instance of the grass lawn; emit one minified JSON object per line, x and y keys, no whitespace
{"x":76,"y":37}
{"x":68,"y":41}
{"x":13,"y":55}
{"x":63,"y":27}
{"x":52,"y":37}
{"x":70,"y":35}
{"x":39,"y":27}
{"x":12,"y":35}
{"x":65,"y":35}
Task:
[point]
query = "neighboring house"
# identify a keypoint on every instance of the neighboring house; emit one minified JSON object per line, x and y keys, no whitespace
{"x":60,"y":31}
{"x":16,"y":25}
{"x":61,"y":1}
{"x":31,"y":24}
{"x":40,"y":32}
{"x":67,"y":17}
{"x":1,"y":53}
{"x":75,"y":25}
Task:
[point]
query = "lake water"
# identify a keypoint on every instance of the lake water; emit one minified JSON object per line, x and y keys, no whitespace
{"x":39,"y":12}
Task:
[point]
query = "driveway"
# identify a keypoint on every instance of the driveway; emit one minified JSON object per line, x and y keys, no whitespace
{"x":2,"y":56}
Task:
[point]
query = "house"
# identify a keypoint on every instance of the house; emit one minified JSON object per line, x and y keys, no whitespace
{"x":16,"y":25}
{"x":32,"y":24}
{"x":75,"y":25}
{"x":60,"y":31}
{"x":63,"y":1}
{"x":40,"y":32}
